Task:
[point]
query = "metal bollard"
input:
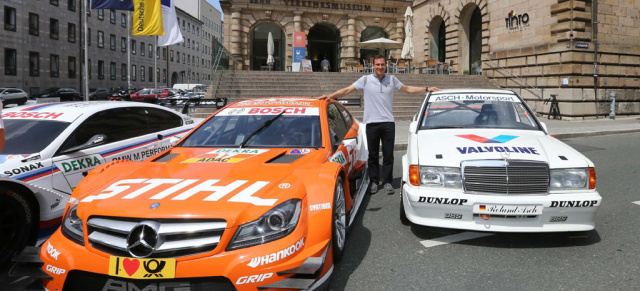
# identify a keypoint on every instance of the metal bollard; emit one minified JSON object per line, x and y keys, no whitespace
{"x":612,"y":112}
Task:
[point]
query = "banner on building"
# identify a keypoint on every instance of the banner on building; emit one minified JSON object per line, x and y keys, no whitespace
{"x":147,"y":17}
{"x":172,"y":34}
{"x":112,"y":4}
{"x":299,"y":39}
{"x":298,"y":54}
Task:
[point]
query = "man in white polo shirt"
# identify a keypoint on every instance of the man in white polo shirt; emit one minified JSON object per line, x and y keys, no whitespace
{"x":378,"y":116}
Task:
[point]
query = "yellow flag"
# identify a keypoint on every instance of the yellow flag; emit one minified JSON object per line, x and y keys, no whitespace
{"x":147,"y":17}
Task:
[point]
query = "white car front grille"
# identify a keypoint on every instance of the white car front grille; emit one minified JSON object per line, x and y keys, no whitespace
{"x":505,"y":177}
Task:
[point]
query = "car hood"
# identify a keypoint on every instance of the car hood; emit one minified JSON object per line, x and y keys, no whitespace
{"x":449,"y":147}
{"x":238,"y":185}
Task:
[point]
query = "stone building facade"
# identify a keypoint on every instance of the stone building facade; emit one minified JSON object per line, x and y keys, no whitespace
{"x":538,"y":48}
{"x":545,"y":47}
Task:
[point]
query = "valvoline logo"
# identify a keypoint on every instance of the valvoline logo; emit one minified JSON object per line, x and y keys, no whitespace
{"x":497,"y":149}
{"x":480,"y":139}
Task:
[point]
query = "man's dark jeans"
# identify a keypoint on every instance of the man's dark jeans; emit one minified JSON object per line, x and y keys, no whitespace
{"x":385,"y":132}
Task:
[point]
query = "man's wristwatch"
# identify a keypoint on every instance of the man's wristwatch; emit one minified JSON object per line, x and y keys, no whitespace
{"x":426,"y":88}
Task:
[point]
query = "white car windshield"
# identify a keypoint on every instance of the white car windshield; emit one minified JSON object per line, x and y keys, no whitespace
{"x":232,"y":130}
{"x":477,"y":111}
{"x":30,"y":136}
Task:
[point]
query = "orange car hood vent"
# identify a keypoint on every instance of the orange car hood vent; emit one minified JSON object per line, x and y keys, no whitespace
{"x":166,"y":157}
{"x":284,"y":159}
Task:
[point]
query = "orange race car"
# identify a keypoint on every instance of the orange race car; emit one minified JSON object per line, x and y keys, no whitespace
{"x":259,"y":196}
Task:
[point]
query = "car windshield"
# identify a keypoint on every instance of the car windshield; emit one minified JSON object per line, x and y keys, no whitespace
{"x":229,"y":130}
{"x":30,"y":136}
{"x":477,"y":111}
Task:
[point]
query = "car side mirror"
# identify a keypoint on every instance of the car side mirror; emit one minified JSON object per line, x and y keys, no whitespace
{"x":544,"y":126}
{"x":174,"y":140}
{"x":413,"y":126}
{"x":95,"y":140}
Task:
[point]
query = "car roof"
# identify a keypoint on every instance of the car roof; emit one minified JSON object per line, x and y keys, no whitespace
{"x":75,"y":109}
{"x":473,"y":90}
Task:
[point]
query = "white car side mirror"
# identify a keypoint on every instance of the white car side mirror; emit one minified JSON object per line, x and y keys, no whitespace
{"x":413,"y":126}
{"x":544,"y":126}
{"x":174,"y":140}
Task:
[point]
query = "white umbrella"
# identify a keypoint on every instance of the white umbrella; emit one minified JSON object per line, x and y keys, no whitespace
{"x":381,"y":43}
{"x":270,"y":49}
{"x":407,"y":49}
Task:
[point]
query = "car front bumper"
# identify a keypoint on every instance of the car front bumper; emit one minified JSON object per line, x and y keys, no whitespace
{"x":454,"y":209}
{"x":77,"y":268}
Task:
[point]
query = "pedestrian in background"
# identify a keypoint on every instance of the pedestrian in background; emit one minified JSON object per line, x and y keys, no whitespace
{"x":325,"y":65}
{"x":378,"y":93}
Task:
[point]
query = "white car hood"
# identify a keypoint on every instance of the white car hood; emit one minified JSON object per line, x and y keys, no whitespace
{"x":449,"y":147}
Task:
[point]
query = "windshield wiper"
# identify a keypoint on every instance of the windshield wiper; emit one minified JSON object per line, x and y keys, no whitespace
{"x":260,"y":129}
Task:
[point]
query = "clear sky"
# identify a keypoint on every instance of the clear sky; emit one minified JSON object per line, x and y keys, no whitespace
{"x":216,"y":4}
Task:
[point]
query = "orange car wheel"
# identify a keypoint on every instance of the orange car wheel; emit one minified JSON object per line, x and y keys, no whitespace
{"x":339,"y":229}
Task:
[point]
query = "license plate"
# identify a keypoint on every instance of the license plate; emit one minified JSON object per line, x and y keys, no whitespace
{"x":507,"y":209}
{"x":142,"y":268}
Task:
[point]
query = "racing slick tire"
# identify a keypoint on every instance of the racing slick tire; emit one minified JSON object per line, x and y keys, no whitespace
{"x":403,"y":215}
{"x":16,"y":222}
{"x":338,"y":221}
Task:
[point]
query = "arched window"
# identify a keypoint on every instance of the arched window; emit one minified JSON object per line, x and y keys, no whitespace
{"x":437,"y":47}
{"x":368,"y":34}
{"x":259,"y":40}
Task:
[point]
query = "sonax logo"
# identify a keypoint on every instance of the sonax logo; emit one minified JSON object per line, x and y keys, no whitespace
{"x":480,"y":139}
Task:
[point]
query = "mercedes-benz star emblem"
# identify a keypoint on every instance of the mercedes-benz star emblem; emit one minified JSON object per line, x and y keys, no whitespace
{"x":143,"y":239}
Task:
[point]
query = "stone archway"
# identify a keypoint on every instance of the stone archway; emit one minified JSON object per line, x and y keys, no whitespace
{"x":372,"y":32}
{"x":470,"y":37}
{"x":324,"y":41}
{"x":258,"y":46}
{"x":437,"y":39}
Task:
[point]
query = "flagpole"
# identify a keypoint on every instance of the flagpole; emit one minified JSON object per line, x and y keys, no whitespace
{"x":129,"y":52}
{"x":155,"y":64}
{"x":86,"y":54}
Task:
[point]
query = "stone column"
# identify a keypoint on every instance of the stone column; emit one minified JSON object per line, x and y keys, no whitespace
{"x":236,"y":36}
{"x":350,"y":53}
{"x":297,"y":20}
{"x":399,"y":37}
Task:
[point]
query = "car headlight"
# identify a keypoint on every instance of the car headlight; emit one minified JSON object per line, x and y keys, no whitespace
{"x":445,"y":177}
{"x":275,"y":224}
{"x":72,"y":224}
{"x":571,"y":179}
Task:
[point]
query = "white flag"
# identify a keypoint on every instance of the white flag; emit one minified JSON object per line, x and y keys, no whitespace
{"x":172,"y":34}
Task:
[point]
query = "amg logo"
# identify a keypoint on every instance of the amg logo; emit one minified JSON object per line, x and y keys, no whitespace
{"x":586,"y":203}
{"x":438,"y":200}
{"x":118,"y":285}
{"x":268,"y":259}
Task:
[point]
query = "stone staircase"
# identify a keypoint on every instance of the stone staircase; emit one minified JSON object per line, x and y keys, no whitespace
{"x":240,"y":85}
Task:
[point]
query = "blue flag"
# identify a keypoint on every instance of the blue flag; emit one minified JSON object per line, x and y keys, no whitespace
{"x":112,"y":4}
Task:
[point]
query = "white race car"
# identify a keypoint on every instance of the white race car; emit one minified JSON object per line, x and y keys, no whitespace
{"x":480,"y":160}
{"x":51,"y":147}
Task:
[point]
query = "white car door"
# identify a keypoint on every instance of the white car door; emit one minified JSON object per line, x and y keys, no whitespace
{"x":133,"y":133}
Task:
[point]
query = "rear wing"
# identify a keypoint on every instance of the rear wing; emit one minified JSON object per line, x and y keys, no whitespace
{"x":350,"y":101}
{"x":182,"y":104}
